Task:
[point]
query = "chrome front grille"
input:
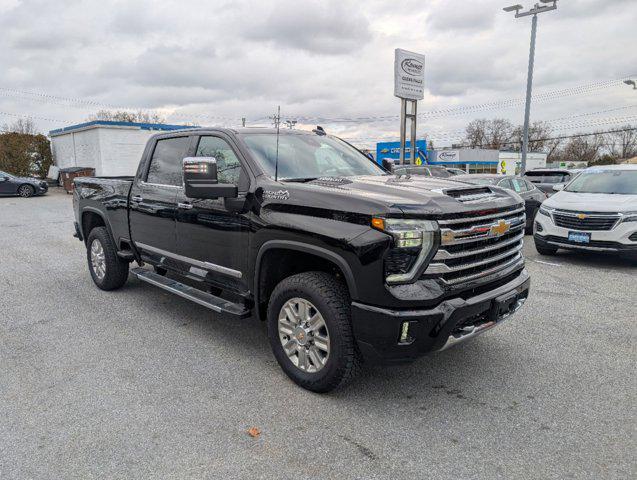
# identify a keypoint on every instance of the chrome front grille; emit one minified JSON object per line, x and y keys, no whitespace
{"x":478,"y":245}
{"x":585,"y":221}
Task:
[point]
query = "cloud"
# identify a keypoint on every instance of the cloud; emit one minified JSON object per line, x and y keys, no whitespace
{"x":329,"y":59}
{"x":316,"y":26}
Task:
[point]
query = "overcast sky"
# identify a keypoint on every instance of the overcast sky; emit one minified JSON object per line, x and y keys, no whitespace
{"x":215,"y":61}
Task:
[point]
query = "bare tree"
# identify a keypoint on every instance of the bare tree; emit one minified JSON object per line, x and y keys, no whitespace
{"x":583,"y":149}
{"x":22,"y":125}
{"x":622,"y":144}
{"x":483,"y":133}
{"x":127,"y":116}
{"x":539,"y":132}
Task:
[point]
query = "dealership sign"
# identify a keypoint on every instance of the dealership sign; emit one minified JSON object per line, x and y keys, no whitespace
{"x":409,"y":75}
{"x":448,"y":156}
{"x":391,"y":151}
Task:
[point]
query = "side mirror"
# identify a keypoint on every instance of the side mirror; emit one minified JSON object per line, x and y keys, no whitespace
{"x":388,"y":165}
{"x":200,"y":179}
{"x":558,"y":186}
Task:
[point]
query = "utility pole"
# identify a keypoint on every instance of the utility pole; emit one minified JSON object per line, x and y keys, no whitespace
{"x":529,"y":77}
{"x":276,"y":118}
{"x":243,"y":121}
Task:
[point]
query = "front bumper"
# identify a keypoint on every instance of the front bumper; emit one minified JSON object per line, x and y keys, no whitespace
{"x":616,"y":240}
{"x":377,"y":330}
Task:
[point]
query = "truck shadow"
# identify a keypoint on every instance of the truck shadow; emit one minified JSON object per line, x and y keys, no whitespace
{"x":434,"y":375}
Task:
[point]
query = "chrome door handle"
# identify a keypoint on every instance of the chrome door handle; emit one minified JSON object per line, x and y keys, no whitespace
{"x":137,"y":198}
{"x":185,"y":206}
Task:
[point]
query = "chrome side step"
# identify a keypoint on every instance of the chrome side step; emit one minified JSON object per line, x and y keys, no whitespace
{"x":207,"y":300}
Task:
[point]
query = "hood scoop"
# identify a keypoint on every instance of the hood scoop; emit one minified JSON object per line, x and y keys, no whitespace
{"x":471,"y":194}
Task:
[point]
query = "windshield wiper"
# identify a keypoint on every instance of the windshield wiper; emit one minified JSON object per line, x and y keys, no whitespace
{"x":299,"y":180}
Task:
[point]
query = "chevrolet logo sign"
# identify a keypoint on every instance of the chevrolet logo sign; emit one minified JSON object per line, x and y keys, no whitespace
{"x":499,"y":229}
{"x":581,"y":216}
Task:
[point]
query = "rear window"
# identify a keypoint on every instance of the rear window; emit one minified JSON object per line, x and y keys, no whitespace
{"x":547,"y":177}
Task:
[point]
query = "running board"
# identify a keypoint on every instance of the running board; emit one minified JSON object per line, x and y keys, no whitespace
{"x":207,"y":300}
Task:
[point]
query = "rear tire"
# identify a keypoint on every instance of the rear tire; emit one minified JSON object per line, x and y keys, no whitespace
{"x":26,"y":191}
{"x":323,"y":354}
{"x":108,"y":270}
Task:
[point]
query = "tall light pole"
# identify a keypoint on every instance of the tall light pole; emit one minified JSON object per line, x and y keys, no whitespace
{"x":529,"y":77}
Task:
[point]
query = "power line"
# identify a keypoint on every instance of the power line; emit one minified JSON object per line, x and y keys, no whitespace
{"x":436,"y":113}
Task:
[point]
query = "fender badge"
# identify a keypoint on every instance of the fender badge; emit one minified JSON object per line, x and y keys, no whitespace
{"x":276,"y":195}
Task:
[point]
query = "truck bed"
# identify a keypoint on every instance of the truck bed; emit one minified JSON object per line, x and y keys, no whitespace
{"x":107,"y":195}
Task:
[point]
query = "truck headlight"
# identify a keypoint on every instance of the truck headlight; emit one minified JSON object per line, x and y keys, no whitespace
{"x":414,"y":244}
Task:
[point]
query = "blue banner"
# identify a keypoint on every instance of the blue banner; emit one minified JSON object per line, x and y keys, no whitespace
{"x":391,"y":151}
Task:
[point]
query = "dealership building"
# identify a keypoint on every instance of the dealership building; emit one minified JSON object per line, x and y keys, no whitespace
{"x":473,"y":160}
{"x":111,"y":148}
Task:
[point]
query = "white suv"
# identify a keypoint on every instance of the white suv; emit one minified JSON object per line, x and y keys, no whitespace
{"x":596,"y":211}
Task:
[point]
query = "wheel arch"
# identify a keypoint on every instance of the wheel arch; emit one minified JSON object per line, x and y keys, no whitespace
{"x":312,"y":256}
{"x":92,"y":218}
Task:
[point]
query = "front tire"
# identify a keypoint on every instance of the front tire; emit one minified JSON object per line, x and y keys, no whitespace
{"x":108,"y":270}
{"x":310,"y":331}
{"x":26,"y":191}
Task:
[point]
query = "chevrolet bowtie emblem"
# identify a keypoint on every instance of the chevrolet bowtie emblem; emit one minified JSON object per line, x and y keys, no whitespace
{"x":499,"y":228}
{"x":581,"y":216}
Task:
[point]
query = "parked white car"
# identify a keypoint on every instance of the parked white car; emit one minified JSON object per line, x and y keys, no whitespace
{"x":596,"y":211}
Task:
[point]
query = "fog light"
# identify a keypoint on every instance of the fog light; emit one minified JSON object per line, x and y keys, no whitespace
{"x":405,"y":333}
{"x":538,"y":227}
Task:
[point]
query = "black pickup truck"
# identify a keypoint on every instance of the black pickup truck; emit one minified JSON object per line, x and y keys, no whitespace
{"x":345,"y":261}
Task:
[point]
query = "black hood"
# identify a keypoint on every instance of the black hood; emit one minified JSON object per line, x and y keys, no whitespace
{"x":393,"y":195}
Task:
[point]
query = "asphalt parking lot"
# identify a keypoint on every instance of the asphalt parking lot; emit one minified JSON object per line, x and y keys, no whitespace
{"x":138,"y":383}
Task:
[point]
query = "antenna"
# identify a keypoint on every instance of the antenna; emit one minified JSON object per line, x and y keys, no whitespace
{"x":277,"y":121}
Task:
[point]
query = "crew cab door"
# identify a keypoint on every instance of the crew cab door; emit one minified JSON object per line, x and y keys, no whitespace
{"x":153,"y":199}
{"x":212,"y":234}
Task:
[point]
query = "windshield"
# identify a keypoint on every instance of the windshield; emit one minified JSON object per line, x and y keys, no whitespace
{"x":546,"y":177}
{"x":605,"y":181}
{"x":306,"y":157}
{"x":5,"y":174}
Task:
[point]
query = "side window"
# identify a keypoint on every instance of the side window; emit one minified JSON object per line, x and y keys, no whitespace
{"x":529,"y":185}
{"x":165,"y":165}
{"x":518,"y":185}
{"x":228,"y":166}
{"x":506,"y":183}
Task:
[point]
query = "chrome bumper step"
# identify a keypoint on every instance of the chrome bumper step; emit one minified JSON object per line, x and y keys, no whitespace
{"x":195,"y":295}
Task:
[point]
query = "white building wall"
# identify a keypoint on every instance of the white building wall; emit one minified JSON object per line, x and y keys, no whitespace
{"x":120,"y":150}
{"x":111,"y":151}
{"x":511,"y":161}
{"x":63,"y":151}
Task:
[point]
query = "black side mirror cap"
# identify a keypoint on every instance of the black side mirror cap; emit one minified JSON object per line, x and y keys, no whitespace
{"x":388,"y":165}
{"x":201,"y":181}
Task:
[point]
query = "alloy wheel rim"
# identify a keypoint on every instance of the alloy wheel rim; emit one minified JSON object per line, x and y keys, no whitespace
{"x":98,"y":259}
{"x":304,"y":335}
{"x":25,"y":191}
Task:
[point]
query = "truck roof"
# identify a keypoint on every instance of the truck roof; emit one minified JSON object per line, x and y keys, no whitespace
{"x":246,"y":130}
